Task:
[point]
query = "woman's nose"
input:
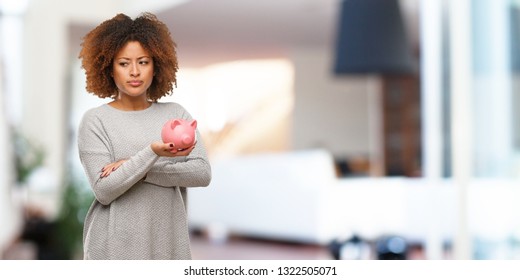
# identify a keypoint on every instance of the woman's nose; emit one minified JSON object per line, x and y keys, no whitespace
{"x":134,"y":71}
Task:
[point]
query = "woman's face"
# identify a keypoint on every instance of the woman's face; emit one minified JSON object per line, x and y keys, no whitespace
{"x":133,"y":70}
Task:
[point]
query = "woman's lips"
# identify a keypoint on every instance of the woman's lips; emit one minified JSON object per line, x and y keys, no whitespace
{"x":135,"y":83}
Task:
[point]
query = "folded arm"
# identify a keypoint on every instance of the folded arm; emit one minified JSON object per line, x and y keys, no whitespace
{"x":194,"y":172}
{"x":108,"y":188}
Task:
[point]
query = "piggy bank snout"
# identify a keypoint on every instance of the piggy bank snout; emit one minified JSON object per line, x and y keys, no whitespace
{"x":186,"y":139}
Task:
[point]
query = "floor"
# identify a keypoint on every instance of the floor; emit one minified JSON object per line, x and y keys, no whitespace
{"x":247,"y":248}
{"x":242,"y":248}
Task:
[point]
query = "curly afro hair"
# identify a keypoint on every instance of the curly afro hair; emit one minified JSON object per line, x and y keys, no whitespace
{"x":101,"y":44}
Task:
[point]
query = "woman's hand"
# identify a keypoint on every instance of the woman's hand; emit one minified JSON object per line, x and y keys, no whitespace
{"x":169,"y":150}
{"x":109,"y":168}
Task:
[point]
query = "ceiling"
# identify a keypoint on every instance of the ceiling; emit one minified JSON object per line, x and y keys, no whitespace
{"x":213,"y":31}
{"x":206,"y":31}
{"x":220,"y":30}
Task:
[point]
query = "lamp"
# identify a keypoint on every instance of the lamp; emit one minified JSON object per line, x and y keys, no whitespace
{"x":371,"y":38}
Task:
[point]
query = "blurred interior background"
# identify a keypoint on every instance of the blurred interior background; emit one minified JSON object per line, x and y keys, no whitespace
{"x":337,"y":129}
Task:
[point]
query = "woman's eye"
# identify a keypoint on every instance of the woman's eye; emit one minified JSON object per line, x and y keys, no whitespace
{"x":123,"y":64}
{"x":143,"y":62}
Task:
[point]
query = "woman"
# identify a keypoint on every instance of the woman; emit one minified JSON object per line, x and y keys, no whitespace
{"x":138,"y":181}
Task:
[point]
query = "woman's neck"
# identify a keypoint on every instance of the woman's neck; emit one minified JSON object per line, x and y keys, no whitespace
{"x":130,"y":104}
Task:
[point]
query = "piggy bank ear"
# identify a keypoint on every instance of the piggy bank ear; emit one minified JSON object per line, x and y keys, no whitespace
{"x":175,"y":123}
{"x":193,"y":124}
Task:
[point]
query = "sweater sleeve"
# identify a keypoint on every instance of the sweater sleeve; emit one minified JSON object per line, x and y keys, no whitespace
{"x":193,"y":170}
{"x":95,"y":153}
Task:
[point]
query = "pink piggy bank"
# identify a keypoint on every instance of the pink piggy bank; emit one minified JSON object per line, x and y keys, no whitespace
{"x":179,"y":132}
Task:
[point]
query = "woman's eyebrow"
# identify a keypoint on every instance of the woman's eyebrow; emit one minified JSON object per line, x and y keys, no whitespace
{"x":141,"y":57}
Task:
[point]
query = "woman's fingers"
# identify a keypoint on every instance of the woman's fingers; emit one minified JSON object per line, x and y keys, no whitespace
{"x":183,"y":152}
{"x":106,"y":170}
{"x":109,"y":168}
{"x":169,"y":149}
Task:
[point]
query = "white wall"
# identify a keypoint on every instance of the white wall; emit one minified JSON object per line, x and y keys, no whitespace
{"x":8,"y":217}
{"x":330,"y":111}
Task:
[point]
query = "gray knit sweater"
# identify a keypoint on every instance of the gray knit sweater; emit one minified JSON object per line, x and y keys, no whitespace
{"x":140,"y":209}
